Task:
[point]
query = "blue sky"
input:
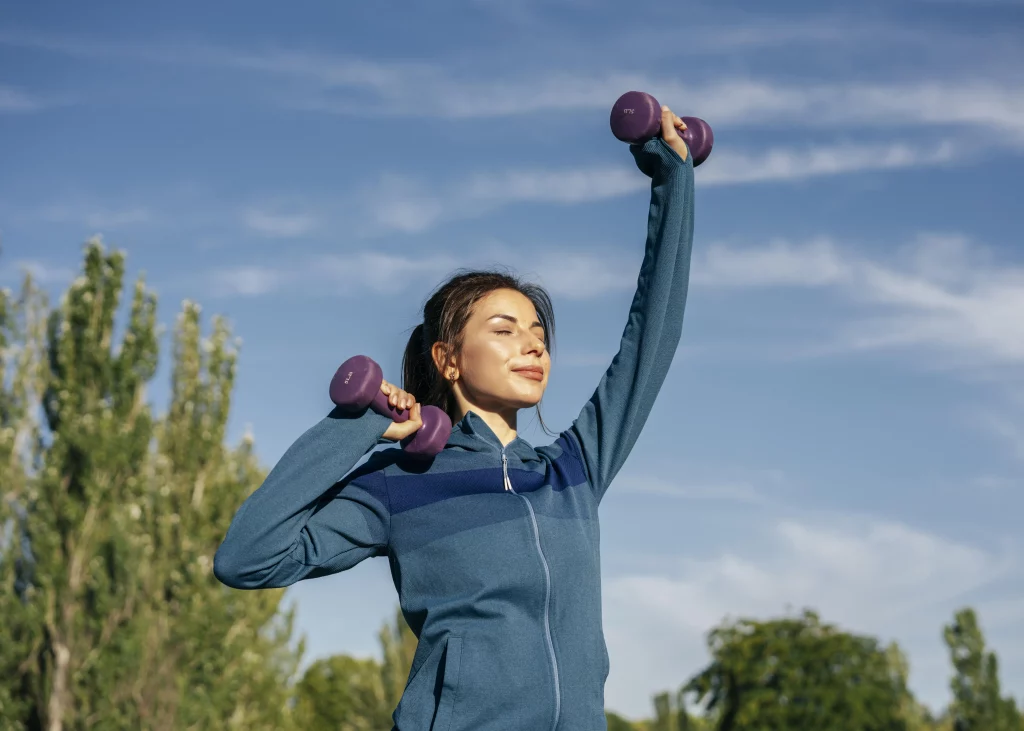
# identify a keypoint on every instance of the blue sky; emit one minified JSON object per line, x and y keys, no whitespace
{"x":843,"y":426}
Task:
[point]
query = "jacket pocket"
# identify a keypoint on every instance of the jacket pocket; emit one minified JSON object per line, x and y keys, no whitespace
{"x":429,"y":698}
{"x":451,"y":665}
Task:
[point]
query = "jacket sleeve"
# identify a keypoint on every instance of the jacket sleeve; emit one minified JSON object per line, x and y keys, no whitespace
{"x":305,"y":520}
{"x":610,"y":422}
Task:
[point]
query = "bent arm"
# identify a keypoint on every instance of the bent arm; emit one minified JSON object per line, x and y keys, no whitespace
{"x":611,"y":421}
{"x":302,"y":522}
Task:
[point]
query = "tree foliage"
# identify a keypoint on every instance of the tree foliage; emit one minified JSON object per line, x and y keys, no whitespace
{"x":798,"y":673}
{"x":112,"y":516}
{"x":342,"y":692}
{"x":978,"y":702}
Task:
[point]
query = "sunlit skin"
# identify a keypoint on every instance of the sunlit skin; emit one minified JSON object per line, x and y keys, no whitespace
{"x":502,"y":339}
{"x":502,"y":335}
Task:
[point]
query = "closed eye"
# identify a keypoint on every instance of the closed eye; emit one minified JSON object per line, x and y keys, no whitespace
{"x":503,"y":332}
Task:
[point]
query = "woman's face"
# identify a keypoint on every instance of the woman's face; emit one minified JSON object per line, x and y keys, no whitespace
{"x":503,"y":363}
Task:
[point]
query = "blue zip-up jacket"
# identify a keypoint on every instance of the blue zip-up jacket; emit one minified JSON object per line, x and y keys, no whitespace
{"x":494,"y":550}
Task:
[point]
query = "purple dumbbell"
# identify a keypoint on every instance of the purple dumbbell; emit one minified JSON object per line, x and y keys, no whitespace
{"x":636,"y":118}
{"x":356,"y":385}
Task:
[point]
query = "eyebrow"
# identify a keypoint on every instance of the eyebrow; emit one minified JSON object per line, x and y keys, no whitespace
{"x":515,"y":320}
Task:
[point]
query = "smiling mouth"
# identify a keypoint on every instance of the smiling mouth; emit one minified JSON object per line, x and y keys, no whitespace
{"x":532,"y":373}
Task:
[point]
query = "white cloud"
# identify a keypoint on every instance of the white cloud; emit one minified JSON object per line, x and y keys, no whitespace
{"x":740,"y":491}
{"x":948,"y":294}
{"x":96,"y":217}
{"x":779,"y":263}
{"x":1008,"y":430}
{"x":41,"y":272}
{"x":882,"y":578}
{"x":359,"y":86}
{"x":336,"y":274}
{"x":403,"y":204}
{"x":428,"y":91}
{"x":14,"y":101}
{"x":570,"y":275}
{"x":278,"y":225}
{"x":554,"y":186}
{"x":248,"y":281}
{"x":400,"y":203}
{"x":780,"y":164}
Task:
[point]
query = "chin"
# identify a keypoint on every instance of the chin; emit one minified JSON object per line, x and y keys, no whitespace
{"x":525,"y":400}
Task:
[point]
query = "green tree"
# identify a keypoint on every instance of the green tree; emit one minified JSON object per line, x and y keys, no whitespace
{"x":226,"y":652}
{"x":618,"y":723}
{"x":978,"y":703}
{"x":797,"y":674}
{"x":111,"y":518}
{"x":914,"y":714}
{"x":22,"y":379}
{"x":342,"y":692}
{"x":398,"y":648}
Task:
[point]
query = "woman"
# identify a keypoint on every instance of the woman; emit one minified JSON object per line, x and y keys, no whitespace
{"x":493,"y":544}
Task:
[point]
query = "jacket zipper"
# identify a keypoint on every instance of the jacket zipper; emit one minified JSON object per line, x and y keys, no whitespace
{"x":547,"y":586}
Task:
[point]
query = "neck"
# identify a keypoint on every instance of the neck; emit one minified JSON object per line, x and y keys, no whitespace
{"x":502,"y":423}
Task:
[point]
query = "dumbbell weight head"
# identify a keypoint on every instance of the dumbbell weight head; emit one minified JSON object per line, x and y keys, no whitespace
{"x":636,"y":118}
{"x":356,"y":386}
{"x":430,"y":438}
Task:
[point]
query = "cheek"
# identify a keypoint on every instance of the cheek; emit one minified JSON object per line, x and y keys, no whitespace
{"x":484,"y":361}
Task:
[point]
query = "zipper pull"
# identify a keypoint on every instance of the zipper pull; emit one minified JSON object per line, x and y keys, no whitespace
{"x":504,"y":469}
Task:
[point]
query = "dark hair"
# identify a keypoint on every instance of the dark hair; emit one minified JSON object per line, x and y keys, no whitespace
{"x":444,"y":320}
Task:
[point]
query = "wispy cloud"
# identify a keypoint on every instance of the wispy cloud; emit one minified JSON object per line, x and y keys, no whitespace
{"x":343,"y":276}
{"x":19,"y":101}
{"x":278,"y":225}
{"x":572,"y":275}
{"x":731,"y":168}
{"x":1008,"y":430}
{"x":248,"y":281}
{"x":727,"y":491}
{"x":423,"y":90}
{"x":41,"y":272}
{"x":943,"y":293}
{"x":880,"y":577}
{"x":98,"y":218}
{"x":404,"y":204}
{"x":359,"y":86}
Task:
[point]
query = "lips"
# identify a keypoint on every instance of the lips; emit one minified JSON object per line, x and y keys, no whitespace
{"x":533,"y":372}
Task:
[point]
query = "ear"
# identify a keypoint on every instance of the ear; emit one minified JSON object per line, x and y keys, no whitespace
{"x":444,"y":363}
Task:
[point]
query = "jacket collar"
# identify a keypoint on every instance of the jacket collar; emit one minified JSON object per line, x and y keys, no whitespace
{"x":473,"y":434}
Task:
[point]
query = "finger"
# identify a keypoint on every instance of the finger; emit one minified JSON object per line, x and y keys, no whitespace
{"x":680,"y":123}
{"x":385,"y":387}
{"x":668,"y":124}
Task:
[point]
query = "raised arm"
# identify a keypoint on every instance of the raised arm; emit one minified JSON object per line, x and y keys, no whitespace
{"x":610,"y":423}
{"x":303,"y":521}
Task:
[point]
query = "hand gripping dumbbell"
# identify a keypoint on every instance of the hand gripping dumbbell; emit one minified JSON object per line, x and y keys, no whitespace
{"x":636,"y":118}
{"x":356,"y":385}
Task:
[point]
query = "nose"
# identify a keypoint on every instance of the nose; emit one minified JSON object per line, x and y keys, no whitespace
{"x":533,"y":345}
